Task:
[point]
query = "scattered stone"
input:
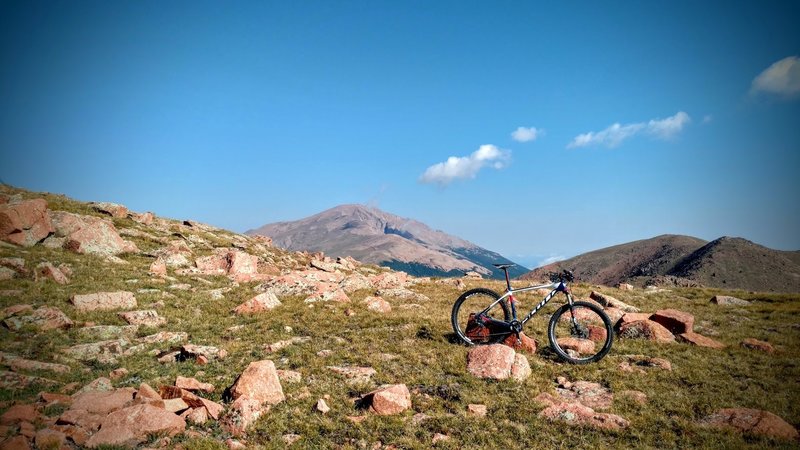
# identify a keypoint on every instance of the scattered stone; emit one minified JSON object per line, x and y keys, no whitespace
{"x":146,"y":317}
{"x":131,"y":426}
{"x":609,"y":301}
{"x":625,"y":287}
{"x":755,"y":344}
{"x":290,"y":376}
{"x":259,"y":382}
{"x":192,"y":351}
{"x":98,"y":384}
{"x":47,"y":271}
{"x":15,"y":310}
{"x":158,"y":268}
{"x":104,"y":351}
{"x":700,"y":340}
{"x":164,"y":337}
{"x":726,"y":300}
{"x":581,"y":415}
{"x":646,"y":329}
{"x":634,"y":363}
{"x":18,"y":442}
{"x":25,"y":222}
{"x":89,"y":234}
{"x":327,"y":292}
{"x":377,"y":304}
{"x":146,"y":391}
{"x":439,"y":437}
{"x":192,"y":384}
{"x":145,"y":218}
{"x":354,"y":375}
{"x":7,"y":274}
{"x":675,"y":321}
{"x":631,"y":317}
{"x":577,"y":345}
{"x":43,"y":319}
{"x":197,"y":416}
{"x":490,"y":361}
{"x":476,"y":410}
{"x":276,"y":346}
{"x":261,"y":302}
{"x":521,"y":369}
{"x":402,"y":294}
{"x":49,"y":438}
{"x":19,"y":413}
{"x":104,"y":301}
{"x":753,"y":421}
{"x":586,"y":393}
{"x":389,"y":399}
{"x":111,"y":209}
{"x":322,"y":406}
{"x":116,"y":374}
{"x":290,"y":439}
{"x":107,"y":332}
{"x":102,"y":402}
{"x":175,"y":405}
{"x":389,"y":280}
{"x":355,"y":282}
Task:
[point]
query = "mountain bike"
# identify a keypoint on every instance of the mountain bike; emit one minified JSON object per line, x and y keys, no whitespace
{"x":579,"y":332}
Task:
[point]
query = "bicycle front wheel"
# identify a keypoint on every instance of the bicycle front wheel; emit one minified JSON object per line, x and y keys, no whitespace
{"x":464,"y":317}
{"x":580,"y":334}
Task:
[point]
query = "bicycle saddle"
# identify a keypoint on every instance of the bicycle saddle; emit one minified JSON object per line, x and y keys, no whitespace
{"x":503,"y":266}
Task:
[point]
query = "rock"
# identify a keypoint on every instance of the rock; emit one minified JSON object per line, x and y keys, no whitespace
{"x":646,"y":329}
{"x":521,"y":369}
{"x":439,"y":437}
{"x":158,"y":268}
{"x":25,"y":222}
{"x":581,"y":415}
{"x":104,"y":301}
{"x":755,"y":344}
{"x":197,"y":416}
{"x":609,"y":301}
{"x":636,"y":361}
{"x":290,"y":376}
{"x":327,"y":292}
{"x":208,"y":351}
{"x":586,"y":393}
{"x":146,"y":391}
{"x":242,"y":414}
{"x":476,"y":410}
{"x":290,"y":439}
{"x":277,"y":346}
{"x":50,"y":399}
{"x":192,"y":384}
{"x":355,"y":282}
{"x":631,"y":317}
{"x":17,"y":442}
{"x":323,"y":265}
{"x":164,"y":337}
{"x":111,"y":209}
{"x":43,"y":319}
{"x":175,"y":405}
{"x":20,"y":364}
{"x":726,"y":300}
{"x":261,"y":302}
{"x":15,"y":310}
{"x":389,"y":280}
{"x":234,"y":444}
{"x":145,"y":218}
{"x":322,"y":406}
{"x":578,"y":345}
{"x":103,"y":402}
{"x":7,"y":274}
{"x":146,"y":317}
{"x":625,"y":287}
{"x":402,"y":294}
{"x":242,"y":266}
{"x":525,"y":343}
{"x":89,"y":234}
{"x":389,"y":399}
{"x":107,"y":332}
{"x":490,"y":361}
{"x":98,"y":384}
{"x":103,"y":351}
{"x":47,"y":271}
{"x":675,"y":321}
{"x":377,"y":304}
{"x":19,"y":413}
{"x":260,"y":382}
{"x":131,"y":426}
{"x":700,"y":340}
{"x":753,"y":421}
{"x":354,"y":375}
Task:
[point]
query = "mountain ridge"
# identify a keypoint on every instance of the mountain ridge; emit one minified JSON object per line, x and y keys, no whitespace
{"x":375,"y":236}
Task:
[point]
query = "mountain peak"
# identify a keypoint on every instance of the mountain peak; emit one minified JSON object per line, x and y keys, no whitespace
{"x":375,"y":236}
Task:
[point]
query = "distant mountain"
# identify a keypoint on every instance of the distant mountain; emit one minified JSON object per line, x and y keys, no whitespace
{"x":732,"y":263}
{"x":374,"y":236}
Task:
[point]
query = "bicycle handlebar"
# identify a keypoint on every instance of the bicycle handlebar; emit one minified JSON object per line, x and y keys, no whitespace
{"x":565,"y":275}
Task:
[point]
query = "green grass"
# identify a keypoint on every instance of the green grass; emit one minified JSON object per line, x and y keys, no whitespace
{"x":701,"y":382}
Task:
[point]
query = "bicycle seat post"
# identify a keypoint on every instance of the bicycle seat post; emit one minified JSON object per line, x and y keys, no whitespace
{"x":508,"y":281}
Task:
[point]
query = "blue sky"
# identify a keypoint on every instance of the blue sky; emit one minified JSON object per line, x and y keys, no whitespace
{"x":245,"y":113}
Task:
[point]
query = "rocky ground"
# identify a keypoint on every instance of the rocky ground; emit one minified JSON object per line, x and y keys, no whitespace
{"x":123,"y":329}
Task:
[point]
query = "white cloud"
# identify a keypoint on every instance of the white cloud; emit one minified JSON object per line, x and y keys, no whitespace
{"x":708,"y":118}
{"x":616,"y":133}
{"x":523,"y":134}
{"x":466,"y":167}
{"x":551,"y":260}
{"x":781,"y":78}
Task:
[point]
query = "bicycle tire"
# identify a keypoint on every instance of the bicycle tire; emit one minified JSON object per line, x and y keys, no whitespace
{"x":459,"y":323}
{"x":581,"y":335}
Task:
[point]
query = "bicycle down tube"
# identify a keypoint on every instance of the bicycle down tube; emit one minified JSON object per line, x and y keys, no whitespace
{"x":556,"y":287}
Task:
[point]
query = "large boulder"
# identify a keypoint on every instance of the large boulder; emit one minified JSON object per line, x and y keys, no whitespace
{"x":646,"y":329}
{"x":491,"y":361}
{"x":25,"y":222}
{"x":132,"y":426}
{"x":104,"y":301}
{"x":700,"y":340}
{"x":89,"y":234}
{"x":727,"y":300}
{"x":753,"y":421}
{"x":388,"y":399}
{"x":111,"y":209}
{"x":43,"y":319}
{"x":611,"y":302}
{"x":260,"y":382}
{"x":675,"y":321}
{"x":261,"y":302}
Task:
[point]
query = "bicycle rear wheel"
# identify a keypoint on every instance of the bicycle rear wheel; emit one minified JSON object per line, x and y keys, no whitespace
{"x":580,"y":334}
{"x":468,"y":327}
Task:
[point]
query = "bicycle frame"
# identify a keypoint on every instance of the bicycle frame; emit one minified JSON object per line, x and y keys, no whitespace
{"x":556,"y":286}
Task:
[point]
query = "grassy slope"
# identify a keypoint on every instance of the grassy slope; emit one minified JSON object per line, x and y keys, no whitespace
{"x":702,"y":380}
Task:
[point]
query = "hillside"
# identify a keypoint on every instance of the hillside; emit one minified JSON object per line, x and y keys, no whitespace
{"x":122,"y":329}
{"x":620,"y":263}
{"x":669,"y":260}
{"x":376,"y":237}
